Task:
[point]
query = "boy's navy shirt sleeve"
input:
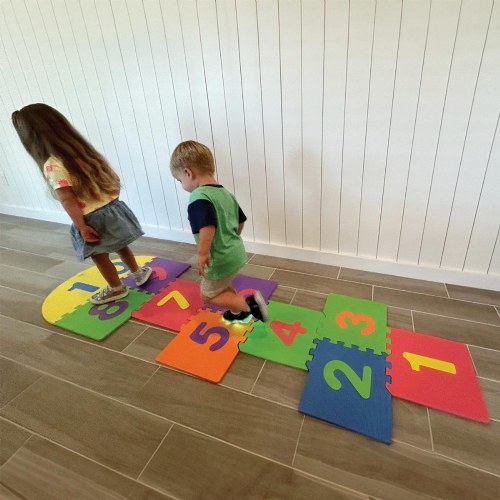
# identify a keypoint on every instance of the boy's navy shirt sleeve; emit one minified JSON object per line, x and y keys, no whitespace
{"x":241,"y":215}
{"x":201,"y":213}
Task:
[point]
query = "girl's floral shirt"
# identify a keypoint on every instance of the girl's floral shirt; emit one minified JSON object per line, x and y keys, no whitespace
{"x":59,"y":177}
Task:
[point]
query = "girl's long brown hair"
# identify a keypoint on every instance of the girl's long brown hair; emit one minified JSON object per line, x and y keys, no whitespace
{"x":45,"y":132}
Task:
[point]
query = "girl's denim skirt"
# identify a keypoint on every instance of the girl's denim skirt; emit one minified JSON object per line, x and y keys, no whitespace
{"x":117,"y":227}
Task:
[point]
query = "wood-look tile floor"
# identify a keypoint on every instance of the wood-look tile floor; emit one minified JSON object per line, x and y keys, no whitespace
{"x":87,"y":420}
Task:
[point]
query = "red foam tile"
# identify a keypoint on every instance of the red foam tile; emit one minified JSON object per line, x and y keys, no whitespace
{"x":173,"y":306}
{"x":435,"y":372}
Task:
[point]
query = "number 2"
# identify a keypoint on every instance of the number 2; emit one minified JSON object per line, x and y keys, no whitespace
{"x":362,"y":385}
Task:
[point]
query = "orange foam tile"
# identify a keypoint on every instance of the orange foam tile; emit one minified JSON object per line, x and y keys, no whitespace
{"x":206,"y":346}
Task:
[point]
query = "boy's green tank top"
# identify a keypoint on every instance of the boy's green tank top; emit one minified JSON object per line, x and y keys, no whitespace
{"x":227,"y":251}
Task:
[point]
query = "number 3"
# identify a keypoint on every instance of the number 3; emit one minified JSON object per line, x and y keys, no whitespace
{"x":355,"y":319}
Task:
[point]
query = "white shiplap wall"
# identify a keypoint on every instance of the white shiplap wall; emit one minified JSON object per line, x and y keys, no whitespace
{"x":362,"y":133}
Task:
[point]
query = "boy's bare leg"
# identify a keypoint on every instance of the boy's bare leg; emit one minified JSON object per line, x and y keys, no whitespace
{"x":128,"y":258}
{"x":228,"y":299}
{"x":107,"y":269}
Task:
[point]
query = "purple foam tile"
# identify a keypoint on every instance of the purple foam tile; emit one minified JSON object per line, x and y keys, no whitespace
{"x":250,"y":283}
{"x":164,"y":271}
{"x":266,"y":287}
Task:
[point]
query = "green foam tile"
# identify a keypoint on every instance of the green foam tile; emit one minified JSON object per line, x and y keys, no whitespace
{"x":286,"y":338}
{"x":97,"y":322}
{"x":355,"y":322}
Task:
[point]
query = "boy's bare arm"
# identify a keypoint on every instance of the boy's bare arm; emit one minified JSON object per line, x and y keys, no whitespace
{"x":204,"y":242}
{"x":70,"y":204}
{"x":240,"y":228}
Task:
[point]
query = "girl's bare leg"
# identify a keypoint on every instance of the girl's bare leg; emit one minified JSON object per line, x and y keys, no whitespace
{"x":128,"y":258}
{"x":107,"y":269}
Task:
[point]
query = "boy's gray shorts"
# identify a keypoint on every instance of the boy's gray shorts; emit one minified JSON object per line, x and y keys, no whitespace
{"x":211,"y":288}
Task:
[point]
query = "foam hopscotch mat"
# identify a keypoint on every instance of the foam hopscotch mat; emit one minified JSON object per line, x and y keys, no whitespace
{"x":346,"y":387}
{"x":349,"y":383}
{"x":435,"y":372}
{"x":355,"y":322}
{"x":172,"y":306}
{"x":287,"y":337}
{"x":206,"y":346}
{"x":67,"y":306}
{"x":247,"y":285}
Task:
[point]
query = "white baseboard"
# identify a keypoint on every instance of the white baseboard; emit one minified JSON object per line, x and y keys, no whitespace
{"x":456,"y":277}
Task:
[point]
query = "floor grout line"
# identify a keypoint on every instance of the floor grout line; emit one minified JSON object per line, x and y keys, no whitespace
{"x":154,"y":453}
{"x":298,"y":440}
{"x":39,"y":373}
{"x":430,"y":429}
{"x":257,"y":379}
{"x":489,"y":379}
{"x":22,"y":445}
{"x":472,"y":360}
{"x":454,"y":460}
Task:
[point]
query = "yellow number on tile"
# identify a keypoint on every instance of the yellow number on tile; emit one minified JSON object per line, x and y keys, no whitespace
{"x":416,"y":361}
{"x":178,"y":297}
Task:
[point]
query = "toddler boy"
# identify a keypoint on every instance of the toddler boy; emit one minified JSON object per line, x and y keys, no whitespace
{"x":216,"y":221}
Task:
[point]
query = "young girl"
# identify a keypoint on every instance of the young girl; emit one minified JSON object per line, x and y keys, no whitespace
{"x":88,"y":190}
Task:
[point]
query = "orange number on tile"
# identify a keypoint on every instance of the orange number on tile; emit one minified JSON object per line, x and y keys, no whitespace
{"x":369,"y":327}
{"x":362,"y":384}
{"x":416,"y":361}
{"x":279,"y":328}
{"x":246,"y":291}
{"x":177,"y":296}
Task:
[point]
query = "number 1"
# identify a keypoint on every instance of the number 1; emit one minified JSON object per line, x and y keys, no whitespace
{"x":416,"y":361}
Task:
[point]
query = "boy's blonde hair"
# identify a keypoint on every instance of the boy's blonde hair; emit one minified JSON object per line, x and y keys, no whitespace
{"x":192,"y":155}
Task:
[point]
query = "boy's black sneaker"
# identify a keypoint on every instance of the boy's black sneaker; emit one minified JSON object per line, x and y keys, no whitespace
{"x":241,"y":317}
{"x":258,"y":306}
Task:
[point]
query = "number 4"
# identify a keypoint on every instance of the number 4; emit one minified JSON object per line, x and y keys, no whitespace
{"x":279,"y":328}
